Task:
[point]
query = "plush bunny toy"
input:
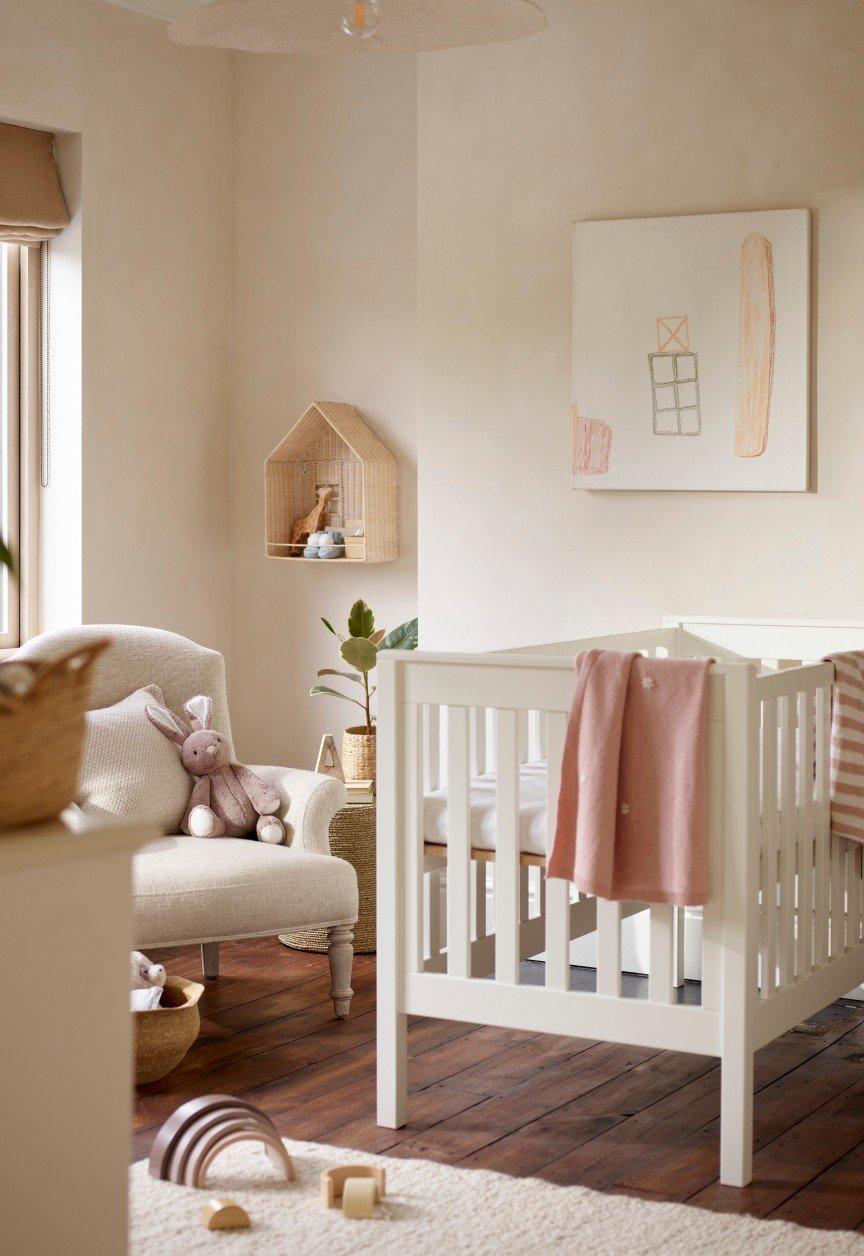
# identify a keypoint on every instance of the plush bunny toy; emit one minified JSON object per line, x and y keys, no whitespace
{"x":145,"y":974}
{"x":227,"y":799}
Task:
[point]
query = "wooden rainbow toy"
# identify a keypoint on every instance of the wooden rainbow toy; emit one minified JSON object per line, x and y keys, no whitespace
{"x":196,"y":1133}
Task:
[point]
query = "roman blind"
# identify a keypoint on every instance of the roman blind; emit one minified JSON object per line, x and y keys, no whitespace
{"x":32,"y":208}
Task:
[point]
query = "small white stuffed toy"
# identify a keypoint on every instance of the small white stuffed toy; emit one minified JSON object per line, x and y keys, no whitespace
{"x":144,"y":974}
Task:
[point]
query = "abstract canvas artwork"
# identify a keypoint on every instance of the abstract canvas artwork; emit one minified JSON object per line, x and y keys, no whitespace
{"x":691,"y":352}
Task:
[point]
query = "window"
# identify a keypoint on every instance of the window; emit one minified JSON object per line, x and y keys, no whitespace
{"x":20,"y":287}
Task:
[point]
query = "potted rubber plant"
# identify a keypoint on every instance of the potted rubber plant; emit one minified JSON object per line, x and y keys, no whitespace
{"x":360,"y":650}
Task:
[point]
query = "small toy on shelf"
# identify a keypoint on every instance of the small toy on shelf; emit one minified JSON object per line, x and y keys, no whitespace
{"x":312,"y":522}
{"x":221,"y":1213}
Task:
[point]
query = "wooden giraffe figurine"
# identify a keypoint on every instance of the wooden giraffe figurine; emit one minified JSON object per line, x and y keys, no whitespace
{"x":312,"y":522}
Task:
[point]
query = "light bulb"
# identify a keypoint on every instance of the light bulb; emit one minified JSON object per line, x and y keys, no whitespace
{"x":361,"y":18}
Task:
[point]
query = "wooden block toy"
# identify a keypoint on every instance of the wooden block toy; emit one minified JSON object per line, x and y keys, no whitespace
{"x":359,"y":1196}
{"x":221,"y":1213}
{"x":199,"y":1130}
{"x":333,"y":1182}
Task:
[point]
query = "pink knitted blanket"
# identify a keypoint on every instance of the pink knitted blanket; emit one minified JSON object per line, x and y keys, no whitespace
{"x":632,"y":813}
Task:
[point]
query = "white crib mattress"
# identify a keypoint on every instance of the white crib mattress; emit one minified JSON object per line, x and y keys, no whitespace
{"x":532,"y":811}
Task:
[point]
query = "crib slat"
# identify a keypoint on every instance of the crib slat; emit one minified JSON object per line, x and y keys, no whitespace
{"x":787,"y":829}
{"x":823,"y":821}
{"x":507,"y":849}
{"x":536,"y":725}
{"x":478,"y":741}
{"x":524,"y":736}
{"x":804,"y":840}
{"x":431,"y":748}
{"x":661,"y":952}
{"x":712,"y":912}
{"x":678,"y":974}
{"x":478,"y":882}
{"x":608,"y":948}
{"x":838,"y":933}
{"x":853,"y":890}
{"x":524,"y":894}
{"x":458,"y":843}
{"x":557,"y":891}
{"x":413,"y":829}
{"x":432,"y":914}
{"x":770,"y":842}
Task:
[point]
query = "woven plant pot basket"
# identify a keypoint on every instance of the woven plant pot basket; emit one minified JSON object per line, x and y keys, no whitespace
{"x":358,"y":754}
{"x":352,"y":838}
{"x":165,"y":1034}
{"x":41,"y":735}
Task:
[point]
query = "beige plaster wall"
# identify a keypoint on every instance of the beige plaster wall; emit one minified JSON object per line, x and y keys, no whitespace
{"x":622,"y":109}
{"x":151,"y":231}
{"x":324,"y":308}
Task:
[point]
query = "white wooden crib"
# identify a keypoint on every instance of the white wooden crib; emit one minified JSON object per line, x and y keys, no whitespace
{"x":781,"y":935}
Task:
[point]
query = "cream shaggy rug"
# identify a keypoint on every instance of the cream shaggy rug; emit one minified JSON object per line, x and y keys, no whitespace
{"x":434,"y":1208}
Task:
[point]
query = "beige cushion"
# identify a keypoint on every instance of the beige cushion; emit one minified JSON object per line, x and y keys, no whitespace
{"x":192,"y":889}
{"x":129,"y":770}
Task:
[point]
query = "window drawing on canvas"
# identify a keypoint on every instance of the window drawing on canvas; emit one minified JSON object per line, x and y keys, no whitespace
{"x":674,"y":374}
{"x":729,"y":374}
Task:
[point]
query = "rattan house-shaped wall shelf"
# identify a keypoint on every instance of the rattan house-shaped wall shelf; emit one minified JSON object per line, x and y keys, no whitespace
{"x":331,"y":454}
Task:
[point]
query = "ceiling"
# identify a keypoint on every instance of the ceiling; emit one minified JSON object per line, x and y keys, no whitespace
{"x":167,"y":10}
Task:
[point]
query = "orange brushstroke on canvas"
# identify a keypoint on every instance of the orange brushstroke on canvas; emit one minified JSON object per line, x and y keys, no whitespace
{"x":756,"y":333}
{"x":592,"y":445}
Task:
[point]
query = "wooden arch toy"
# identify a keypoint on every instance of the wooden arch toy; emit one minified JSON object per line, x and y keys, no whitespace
{"x":199,"y":1130}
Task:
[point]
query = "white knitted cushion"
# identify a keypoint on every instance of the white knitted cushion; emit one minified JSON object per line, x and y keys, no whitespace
{"x":129,"y":770}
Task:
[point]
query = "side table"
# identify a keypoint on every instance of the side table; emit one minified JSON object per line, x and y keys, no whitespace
{"x":352,"y":838}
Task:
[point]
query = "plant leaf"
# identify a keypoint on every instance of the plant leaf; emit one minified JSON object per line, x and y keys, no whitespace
{"x":378,"y":636}
{"x":330,"y":628}
{"x":359,"y":653}
{"x":402,"y":638}
{"x":6,"y":559}
{"x":331,"y":671}
{"x":361,"y":621}
{"x":316,"y":690}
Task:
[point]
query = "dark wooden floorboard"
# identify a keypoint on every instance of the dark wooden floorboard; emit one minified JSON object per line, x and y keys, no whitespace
{"x":610,"y":1117}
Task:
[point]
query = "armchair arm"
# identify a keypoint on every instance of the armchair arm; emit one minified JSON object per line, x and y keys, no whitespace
{"x":310,"y":800}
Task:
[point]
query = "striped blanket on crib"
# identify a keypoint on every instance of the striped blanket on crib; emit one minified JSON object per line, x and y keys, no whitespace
{"x":847,"y":745}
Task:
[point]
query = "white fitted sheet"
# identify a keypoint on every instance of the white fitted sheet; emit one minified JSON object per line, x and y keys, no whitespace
{"x":532,"y":811}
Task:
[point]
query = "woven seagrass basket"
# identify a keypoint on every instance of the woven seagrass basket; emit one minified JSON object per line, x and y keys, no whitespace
{"x":42,"y":734}
{"x":358,"y":754}
{"x":164,"y":1034}
{"x":352,"y":838}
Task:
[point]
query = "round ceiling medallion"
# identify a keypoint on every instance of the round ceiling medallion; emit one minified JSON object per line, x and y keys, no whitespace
{"x":315,"y":25}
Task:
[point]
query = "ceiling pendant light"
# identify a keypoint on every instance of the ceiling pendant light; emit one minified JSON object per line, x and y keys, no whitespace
{"x":361,"y":18}
{"x":365,"y":25}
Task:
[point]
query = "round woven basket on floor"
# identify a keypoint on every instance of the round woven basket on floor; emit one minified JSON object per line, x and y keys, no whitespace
{"x":165,"y":1034}
{"x":352,"y":838}
{"x":42,"y":733}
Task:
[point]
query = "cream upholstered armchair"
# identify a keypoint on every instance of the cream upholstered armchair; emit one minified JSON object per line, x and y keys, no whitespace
{"x":207,"y":891}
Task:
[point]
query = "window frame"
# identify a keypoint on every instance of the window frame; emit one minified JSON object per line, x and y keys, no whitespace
{"x":20,"y":422}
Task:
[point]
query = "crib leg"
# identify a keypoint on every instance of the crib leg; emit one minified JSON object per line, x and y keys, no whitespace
{"x":392,"y":1069}
{"x":736,"y":1119}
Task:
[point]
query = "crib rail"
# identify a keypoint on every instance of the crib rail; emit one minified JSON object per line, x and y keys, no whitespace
{"x":810,"y":900}
{"x":781,"y":934}
{"x":468,"y":916}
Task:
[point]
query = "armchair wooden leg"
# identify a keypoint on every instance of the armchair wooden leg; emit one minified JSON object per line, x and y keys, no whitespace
{"x":341,"y":956}
{"x":210,"y":959}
